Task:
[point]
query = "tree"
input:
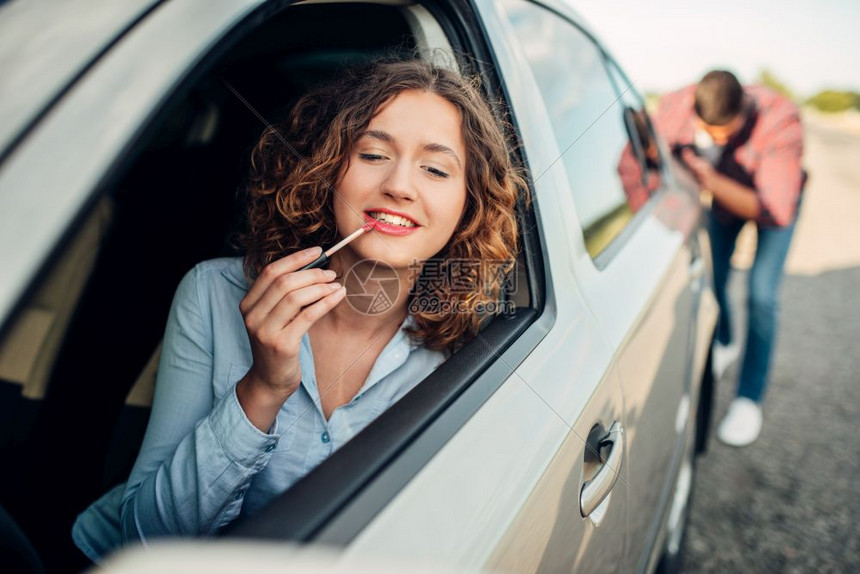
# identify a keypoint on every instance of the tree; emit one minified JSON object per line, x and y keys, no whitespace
{"x":768,"y":79}
{"x":834,"y":101}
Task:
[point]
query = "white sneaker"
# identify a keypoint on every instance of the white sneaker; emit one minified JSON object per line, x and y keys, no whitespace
{"x":742,"y":424}
{"x":724,"y":356}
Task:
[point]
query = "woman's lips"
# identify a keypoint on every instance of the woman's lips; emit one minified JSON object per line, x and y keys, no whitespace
{"x":390,"y":228}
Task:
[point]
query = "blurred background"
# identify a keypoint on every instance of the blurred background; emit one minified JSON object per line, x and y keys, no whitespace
{"x":802,"y":47}
{"x":788,"y":502}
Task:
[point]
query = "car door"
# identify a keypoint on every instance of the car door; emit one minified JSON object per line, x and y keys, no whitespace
{"x":662,"y":398}
{"x":508,"y":487}
{"x":658,"y":268}
{"x":641,"y":272}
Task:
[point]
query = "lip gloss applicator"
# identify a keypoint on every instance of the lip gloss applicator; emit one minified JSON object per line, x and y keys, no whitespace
{"x":325,"y":255}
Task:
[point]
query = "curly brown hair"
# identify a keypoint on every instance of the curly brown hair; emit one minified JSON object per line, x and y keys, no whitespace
{"x":290,"y":197}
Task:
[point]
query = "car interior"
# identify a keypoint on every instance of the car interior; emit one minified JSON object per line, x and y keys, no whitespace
{"x":78,"y":362}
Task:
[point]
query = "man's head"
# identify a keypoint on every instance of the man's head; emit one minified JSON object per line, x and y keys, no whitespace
{"x":720,"y":105}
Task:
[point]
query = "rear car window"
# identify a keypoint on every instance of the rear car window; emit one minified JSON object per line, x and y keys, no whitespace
{"x":592,"y":125}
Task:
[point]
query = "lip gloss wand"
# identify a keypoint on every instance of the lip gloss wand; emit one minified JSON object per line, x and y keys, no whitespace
{"x":324,"y":256}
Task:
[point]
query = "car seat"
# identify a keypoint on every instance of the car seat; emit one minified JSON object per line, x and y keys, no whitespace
{"x":29,"y":351}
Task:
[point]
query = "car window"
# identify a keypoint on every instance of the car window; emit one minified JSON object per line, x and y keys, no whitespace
{"x":593,"y":125}
{"x":80,"y":352}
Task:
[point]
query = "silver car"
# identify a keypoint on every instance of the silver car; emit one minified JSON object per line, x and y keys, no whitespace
{"x":563,"y":438}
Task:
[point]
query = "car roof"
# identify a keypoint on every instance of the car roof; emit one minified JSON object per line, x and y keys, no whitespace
{"x":567,"y":9}
{"x":46,"y":45}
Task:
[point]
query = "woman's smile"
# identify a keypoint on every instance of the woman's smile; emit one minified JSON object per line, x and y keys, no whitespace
{"x":391,"y":222}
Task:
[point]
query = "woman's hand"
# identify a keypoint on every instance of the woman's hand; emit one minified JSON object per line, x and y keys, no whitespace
{"x":278,"y":309}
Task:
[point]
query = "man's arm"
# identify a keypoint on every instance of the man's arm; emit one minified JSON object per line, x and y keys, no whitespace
{"x":779,"y":177}
{"x":739,"y":199}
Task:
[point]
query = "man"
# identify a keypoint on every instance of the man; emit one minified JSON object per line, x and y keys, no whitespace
{"x":744,"y":147}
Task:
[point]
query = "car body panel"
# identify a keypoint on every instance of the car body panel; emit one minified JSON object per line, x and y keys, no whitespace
{"x":460,"y":506}
{"x":653,"y":363}
{"x":101,"y":114}
{"x":661,"y":354}
{"x":41,"y":54}
{"x":647,"y":303}
{"x":644,"y":299}
{"x":643,"y":294}
{"x":549,"y":534}
{"x":705,"y":315}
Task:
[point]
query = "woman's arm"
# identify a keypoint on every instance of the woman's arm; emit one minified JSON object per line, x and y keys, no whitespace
{"x":199,"y":453}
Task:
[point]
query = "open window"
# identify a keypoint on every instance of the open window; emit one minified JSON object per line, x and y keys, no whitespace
{"x":77,"y":358}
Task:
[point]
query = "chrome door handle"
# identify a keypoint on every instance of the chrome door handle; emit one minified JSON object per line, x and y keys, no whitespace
{"x":597,"y":489}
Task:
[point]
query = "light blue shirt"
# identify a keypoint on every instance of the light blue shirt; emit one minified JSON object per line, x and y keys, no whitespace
{"x":202,"y":463}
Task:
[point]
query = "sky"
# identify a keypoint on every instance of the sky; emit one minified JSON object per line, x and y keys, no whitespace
{"x":662,"y":45}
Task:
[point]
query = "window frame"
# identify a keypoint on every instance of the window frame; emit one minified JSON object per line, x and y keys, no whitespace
{"x":407,"y":435}
{"x":336,"y":500}
{"x":113,"y":165}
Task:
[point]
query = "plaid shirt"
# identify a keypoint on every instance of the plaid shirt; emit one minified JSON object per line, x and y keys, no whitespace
{"x":764,"y":155}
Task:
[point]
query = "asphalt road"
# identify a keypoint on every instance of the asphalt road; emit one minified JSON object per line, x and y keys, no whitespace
{"x":790,"y":502}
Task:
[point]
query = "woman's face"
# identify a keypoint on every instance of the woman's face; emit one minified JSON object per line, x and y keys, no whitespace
{"x":407,"y":171}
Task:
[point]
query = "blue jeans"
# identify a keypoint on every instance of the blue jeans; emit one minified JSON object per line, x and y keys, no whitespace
{"x":763,"y":304}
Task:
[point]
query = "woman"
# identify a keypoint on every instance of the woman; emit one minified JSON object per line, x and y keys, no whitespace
{"x":266,"y":368}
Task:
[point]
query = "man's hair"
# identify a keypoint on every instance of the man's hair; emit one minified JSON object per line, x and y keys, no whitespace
{"x":719,"y":97}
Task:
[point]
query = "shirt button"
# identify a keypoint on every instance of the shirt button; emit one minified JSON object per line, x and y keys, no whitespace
{"x":239,"y":495}
{"x":271,"y":447}
{"x":325,"y":438}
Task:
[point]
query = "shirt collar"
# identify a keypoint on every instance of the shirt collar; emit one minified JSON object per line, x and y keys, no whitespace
{"x":235,"y":274}
{"x":395,"y":353}
{"x":392,"y":357}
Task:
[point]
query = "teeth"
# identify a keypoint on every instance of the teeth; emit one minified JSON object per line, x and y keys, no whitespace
{"x":393,"y":219}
